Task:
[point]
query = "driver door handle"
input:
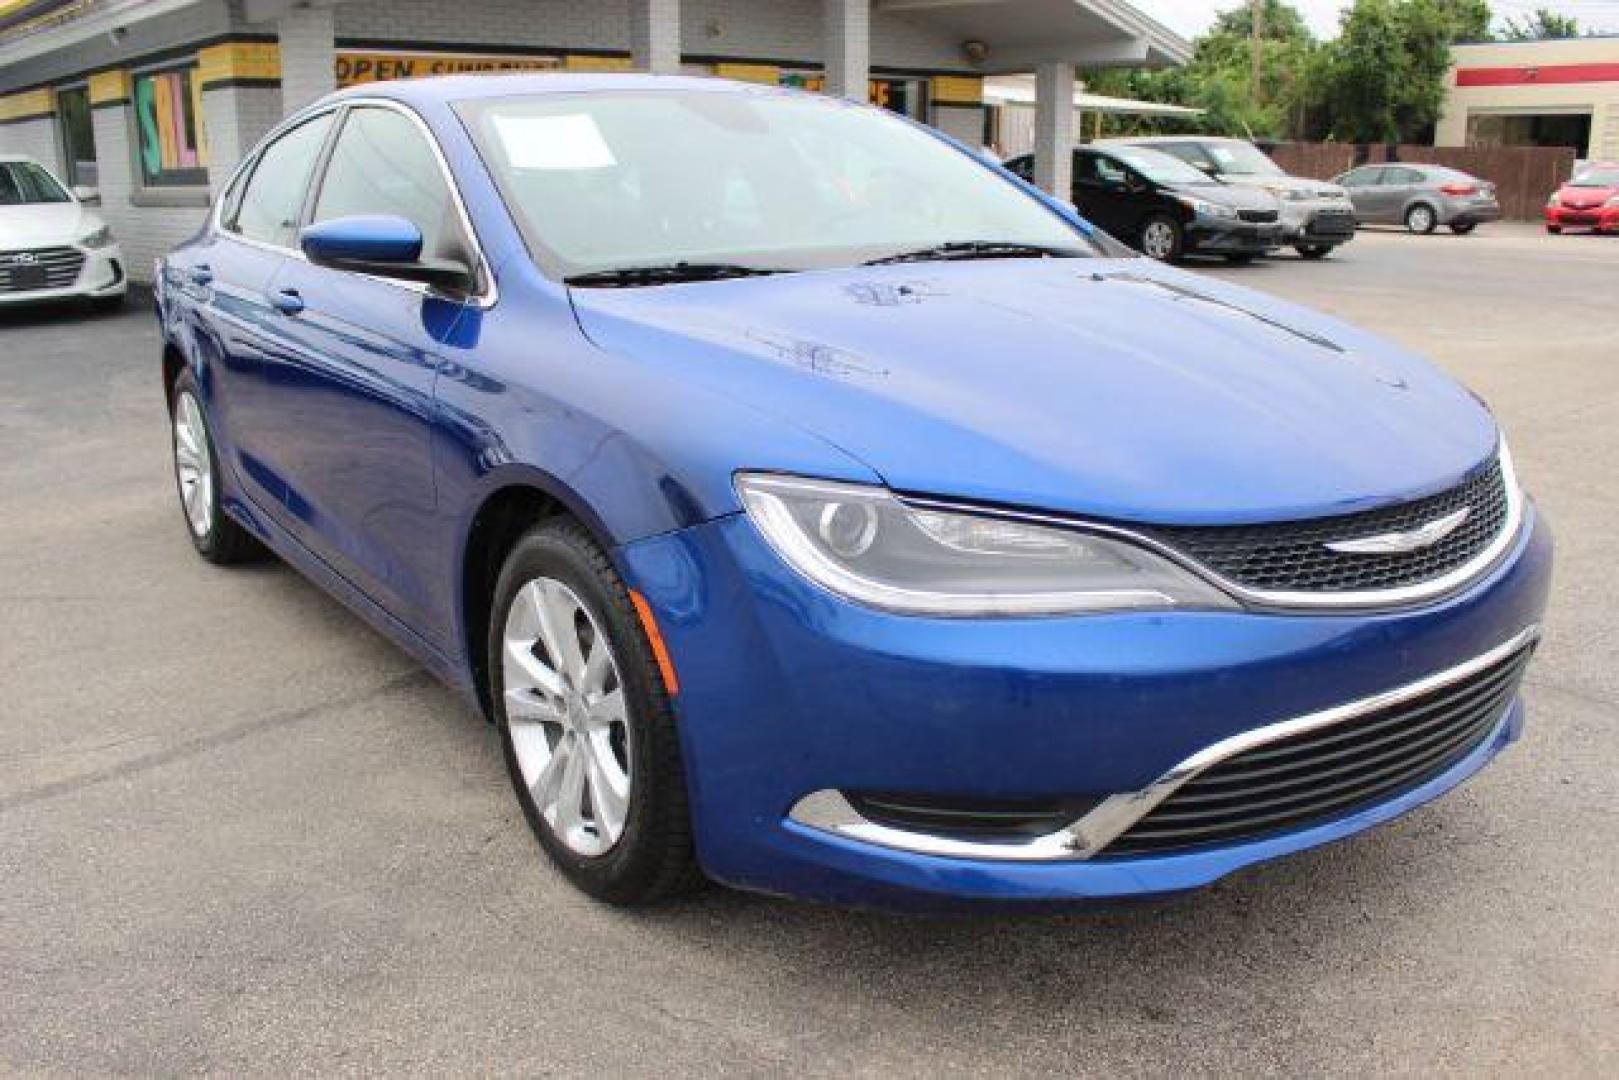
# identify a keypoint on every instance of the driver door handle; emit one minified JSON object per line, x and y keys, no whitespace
{"x":287,"y":301}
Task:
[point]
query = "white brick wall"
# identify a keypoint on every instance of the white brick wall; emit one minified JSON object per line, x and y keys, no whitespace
{"x":144,"y":231}
{"x":37,"y":139}
{"x":960,"y":122}
{"x":236,"y":117}
{"x":846,"y":46}
{"x":655,"y":35}
{"x":306,"y":56}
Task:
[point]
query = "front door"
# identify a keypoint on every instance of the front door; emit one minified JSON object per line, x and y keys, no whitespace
{"x":355,"y":388}
{"x":1102,"y":191}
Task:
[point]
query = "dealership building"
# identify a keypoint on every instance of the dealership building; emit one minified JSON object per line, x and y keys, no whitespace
{"x":1535,"y":93}
{"x":154,"y":102}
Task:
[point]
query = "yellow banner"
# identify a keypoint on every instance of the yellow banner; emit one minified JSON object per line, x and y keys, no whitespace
{"x":354,"y":68}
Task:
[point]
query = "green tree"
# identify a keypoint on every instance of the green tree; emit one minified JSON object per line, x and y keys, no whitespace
{"x":1544,"y":24}
{"x":1386,"y":78}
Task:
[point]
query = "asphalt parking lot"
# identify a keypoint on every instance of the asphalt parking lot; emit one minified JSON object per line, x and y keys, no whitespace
{"x":240,"y":833}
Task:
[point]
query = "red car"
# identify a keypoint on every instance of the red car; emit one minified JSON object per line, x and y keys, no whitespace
{"x":1589,"y":201}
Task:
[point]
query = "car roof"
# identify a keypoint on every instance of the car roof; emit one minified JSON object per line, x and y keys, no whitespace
{"x":444,"y":89}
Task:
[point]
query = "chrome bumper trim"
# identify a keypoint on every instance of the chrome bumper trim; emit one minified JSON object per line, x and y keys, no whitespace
{"x":828,"y":811}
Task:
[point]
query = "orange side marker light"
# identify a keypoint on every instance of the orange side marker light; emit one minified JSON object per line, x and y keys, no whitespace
{"x":660,"y":652}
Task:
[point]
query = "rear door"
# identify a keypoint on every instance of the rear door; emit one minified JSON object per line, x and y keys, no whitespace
{"x":1399,"y":186}
{"x":229,"y":280}
{"x":355,"y":390}
{"x":1362,"y":185}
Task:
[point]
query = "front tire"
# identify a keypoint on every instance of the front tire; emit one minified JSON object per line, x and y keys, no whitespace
{"x":1421,"y":219}
{"x":196,"y":476}
{"x":1554,"y":230}
{"x":1162,"y":238}
{"x":585,"y":720}
{"x":1313,"y":252}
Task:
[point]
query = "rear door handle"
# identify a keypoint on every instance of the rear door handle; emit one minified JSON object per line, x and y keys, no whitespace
{"x":202,"y":275}
{"x":287,"y":301}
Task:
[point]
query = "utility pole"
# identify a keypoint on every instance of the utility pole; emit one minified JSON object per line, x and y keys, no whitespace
{"x":1256,"y":24}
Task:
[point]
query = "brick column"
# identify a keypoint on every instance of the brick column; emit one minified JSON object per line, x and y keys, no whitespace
{"x":1054,"y":128}
{"x":308,"y":55}
{"x":847,"y":25}
{"x":236,"y":118}
{"x":655,"y":36}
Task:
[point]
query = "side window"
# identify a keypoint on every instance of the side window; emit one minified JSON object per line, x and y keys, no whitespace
{"x":382,"y":164}
{"x":1365,"y":176}
{"x":1110,"y":173}
{"x":1401,"y":176}
{"x":274,"y":195}
{"x":1191,"y":153}
{"x":1023,"y":167}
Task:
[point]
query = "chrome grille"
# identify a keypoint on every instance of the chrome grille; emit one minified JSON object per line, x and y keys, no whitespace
{"x":1294,"y":557}
{"x":39,"y":268}
{"x":1327,"y":772}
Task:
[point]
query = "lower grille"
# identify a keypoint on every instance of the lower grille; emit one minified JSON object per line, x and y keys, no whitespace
{"x":40,"y":268}
{"x":979,"y":819}
{"x":1325,"y":773}
{"x":1258,"y":217}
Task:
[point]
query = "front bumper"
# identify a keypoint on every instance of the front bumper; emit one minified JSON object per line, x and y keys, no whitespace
{"x":1599,"y":218}
{"x":1218,"y":236}
{"x":1318,"y":224}
{"x":787,"y":691}
{"x":102,"y":274}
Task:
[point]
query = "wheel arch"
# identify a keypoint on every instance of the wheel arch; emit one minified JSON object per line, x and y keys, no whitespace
{"x":511,"y":504}
{"x":174,"y":362}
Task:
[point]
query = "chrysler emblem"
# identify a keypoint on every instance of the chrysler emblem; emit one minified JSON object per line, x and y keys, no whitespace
{"x":1400,"y":543}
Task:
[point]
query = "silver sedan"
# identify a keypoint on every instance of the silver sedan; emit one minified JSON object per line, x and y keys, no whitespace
{"x":1420,"y":197}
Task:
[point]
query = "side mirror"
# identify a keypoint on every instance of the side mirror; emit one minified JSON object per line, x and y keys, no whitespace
{"x":383,"y":245}
{"x":86,"y":194}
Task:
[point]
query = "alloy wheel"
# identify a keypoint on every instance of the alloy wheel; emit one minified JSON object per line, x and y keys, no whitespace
{"x":1420,"y":219}
{"x":566,"y":714}
{"x":1158,"y":240}
{"x":193,"y":464}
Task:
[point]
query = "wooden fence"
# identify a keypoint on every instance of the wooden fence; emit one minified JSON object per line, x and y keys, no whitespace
{"x":1523,"y":175}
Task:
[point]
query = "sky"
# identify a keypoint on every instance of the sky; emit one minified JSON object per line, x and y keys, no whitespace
{"x":1191,"y":17}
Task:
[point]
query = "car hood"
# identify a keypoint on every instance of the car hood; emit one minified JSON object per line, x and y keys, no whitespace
{"x":1239,"y":198}
{"x":1120,"y":389}
{"x":1582,"y":197}
{"x":44,"y":224}
{"x":1281,"y":185}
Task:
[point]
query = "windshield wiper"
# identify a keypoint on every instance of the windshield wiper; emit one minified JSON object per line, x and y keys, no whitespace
{"x":979,"y":249}
{"x":664,"y":274}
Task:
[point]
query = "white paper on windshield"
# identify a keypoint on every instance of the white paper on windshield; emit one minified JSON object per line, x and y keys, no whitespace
{"x":571,"y":141}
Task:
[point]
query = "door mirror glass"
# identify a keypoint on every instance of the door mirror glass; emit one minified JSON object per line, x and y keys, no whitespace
{"x":86,"y":194}
{"x":384,"y":245}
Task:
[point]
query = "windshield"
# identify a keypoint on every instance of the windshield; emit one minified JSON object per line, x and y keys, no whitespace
{"x":23,"y":182}
{"x":771,"y":180}
{"x":1243,"y":159}
{"x":1596,"y":178}
{"x":1159,"y":167}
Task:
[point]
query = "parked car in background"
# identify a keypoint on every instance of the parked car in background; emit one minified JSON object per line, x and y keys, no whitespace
{"x":1420,"y":197}
{"x":1589,"y":201}
{"x":1166,"y":209}
{"x":52,"y":246}
{"x":855,"y":528}
{"x":1316,"y":216}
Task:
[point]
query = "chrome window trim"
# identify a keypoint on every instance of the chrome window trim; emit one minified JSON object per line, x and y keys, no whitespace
{"x":829,"y":811}
{"x":1403,"y":596}
{"x":491,"y":291}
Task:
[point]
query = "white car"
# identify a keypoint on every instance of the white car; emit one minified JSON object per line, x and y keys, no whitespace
{"x":53,"y":247}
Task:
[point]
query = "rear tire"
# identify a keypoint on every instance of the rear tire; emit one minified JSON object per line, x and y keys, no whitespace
{"x":1421,"y":219}
{"x":213,"y":533}
{"x":1162,"y":238}
{"x":1462,"y":228}
{"x":1313,"y":252}
{"x":585,"y":720}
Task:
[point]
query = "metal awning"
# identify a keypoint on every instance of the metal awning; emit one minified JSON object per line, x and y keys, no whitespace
{"x":1019,"y":35}
{"x":1019,"y":90}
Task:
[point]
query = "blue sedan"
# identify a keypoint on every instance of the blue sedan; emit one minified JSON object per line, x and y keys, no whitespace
{"x":817,"y":508}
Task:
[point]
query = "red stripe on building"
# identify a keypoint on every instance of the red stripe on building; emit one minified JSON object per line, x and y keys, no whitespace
{"x":1549,"y":74}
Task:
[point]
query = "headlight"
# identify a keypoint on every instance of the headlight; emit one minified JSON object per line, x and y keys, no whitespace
{"x":1203,"y":208}
{"x":99,"y":238}
{"x":1612,"y":202}
{"x":864,"y":544}
{"x":1554,"y":200}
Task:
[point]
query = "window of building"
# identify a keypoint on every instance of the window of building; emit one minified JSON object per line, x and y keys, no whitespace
{"x":382,"y":164}
{"x":78,"y":135}
{"x":274,"y":196}
{"x":169,"y":146}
